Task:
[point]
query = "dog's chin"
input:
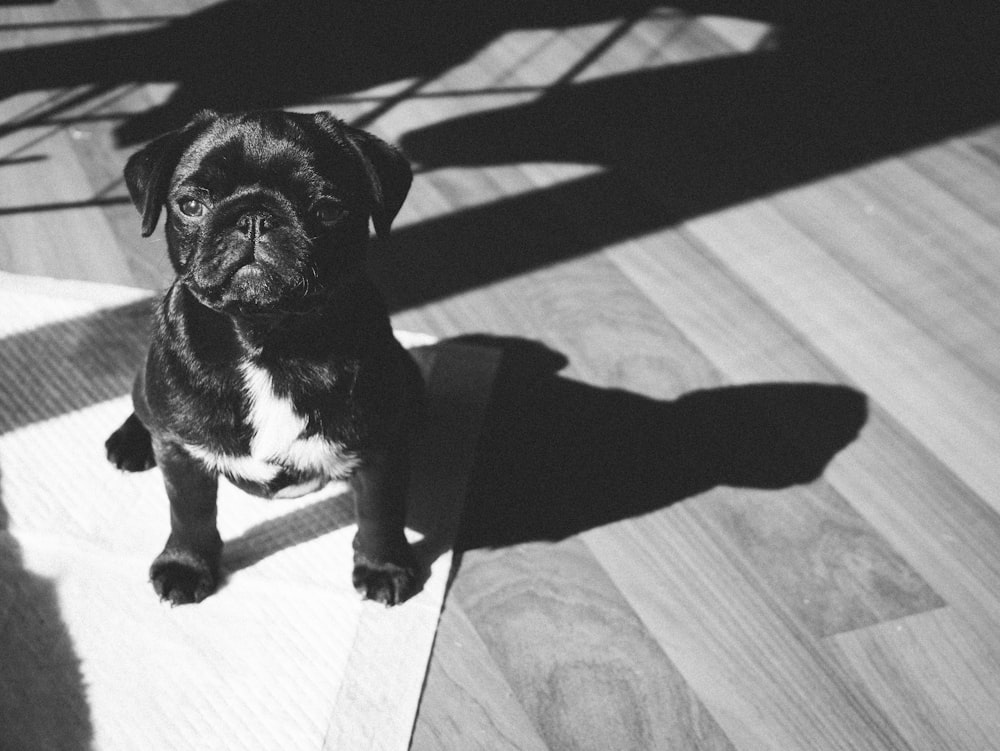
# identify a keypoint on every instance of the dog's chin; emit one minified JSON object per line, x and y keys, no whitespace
{"x":253,"y":285}
{"x":252,"y":290}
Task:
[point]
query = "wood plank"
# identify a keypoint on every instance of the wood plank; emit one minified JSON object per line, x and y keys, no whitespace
{"x":742,"y":34}
{"x":935,"y":522}
{"x":575,"y":654}
{"x":928,"y":255}
{"x":946,"y":532}
{"x":940,"y":526}
{"x":943,"y":403}
{"x":555,"y":306}
{"x":965,"y":166}
{"x":467,"y":702}
{"x":81,"y":245}
{"x":670,"y":367}
{"x":746,"y":659}
{"x":825,"y":562}
{"x":932,"y":677}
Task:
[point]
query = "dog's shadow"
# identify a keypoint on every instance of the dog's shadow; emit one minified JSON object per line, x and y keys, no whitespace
{"x":556,"y":457}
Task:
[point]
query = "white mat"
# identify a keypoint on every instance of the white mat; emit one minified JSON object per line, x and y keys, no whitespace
{"x":284,"y":656}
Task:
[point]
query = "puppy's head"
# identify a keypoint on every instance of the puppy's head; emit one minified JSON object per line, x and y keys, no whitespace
{"x":267,"y":211}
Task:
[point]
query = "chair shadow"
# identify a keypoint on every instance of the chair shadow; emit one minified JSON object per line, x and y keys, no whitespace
{"x":835,"y":86}
{"x":922,"y":60}
{"x":43,"y":696}
{"x":248,"y":54}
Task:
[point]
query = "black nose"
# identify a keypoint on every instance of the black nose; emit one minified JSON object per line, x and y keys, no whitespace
{"x":255,"y":223}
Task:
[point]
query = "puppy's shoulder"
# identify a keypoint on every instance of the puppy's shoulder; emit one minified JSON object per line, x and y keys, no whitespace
{"x":190,"y":382}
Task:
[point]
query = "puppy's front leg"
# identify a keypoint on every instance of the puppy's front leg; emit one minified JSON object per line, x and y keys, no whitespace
{"x":385,"y":569}
{"x":188,"y":568}
{"x":130,"y":448}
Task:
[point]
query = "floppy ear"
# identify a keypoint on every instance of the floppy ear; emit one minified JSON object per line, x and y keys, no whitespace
{"x":148,"y":171}
{"x":387,"y":171}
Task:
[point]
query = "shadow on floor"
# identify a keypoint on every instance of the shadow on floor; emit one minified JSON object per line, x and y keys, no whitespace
{"x":558,"y":457}
{"x":248,"y":54}
{"x":835,"y":86}
{"x":838,"y":86}
{"x":43,"y":700}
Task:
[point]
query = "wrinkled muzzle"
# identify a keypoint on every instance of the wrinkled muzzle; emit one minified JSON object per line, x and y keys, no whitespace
{"x":253,"y":253}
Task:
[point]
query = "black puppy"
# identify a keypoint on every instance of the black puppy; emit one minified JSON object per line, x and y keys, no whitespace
{"x":272,"y":360}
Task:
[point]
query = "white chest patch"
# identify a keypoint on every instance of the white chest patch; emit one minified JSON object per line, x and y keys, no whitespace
{"x":277,"y":440}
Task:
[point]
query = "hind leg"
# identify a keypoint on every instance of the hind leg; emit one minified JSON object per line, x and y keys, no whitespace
{"x":130,"y":448}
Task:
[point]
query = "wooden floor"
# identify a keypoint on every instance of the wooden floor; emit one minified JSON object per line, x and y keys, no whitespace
{"x":740,"y":485}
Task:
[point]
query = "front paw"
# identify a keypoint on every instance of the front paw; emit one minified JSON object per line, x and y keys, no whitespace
{"x":387,"y":582}
{"x":181,"y":577}
{"x":130,"y":448}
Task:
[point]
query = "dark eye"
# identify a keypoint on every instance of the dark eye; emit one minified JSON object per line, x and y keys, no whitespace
{"x":328,"y":212}
{"x":191,"y":207}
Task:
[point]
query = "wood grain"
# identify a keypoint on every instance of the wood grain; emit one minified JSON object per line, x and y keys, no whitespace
{"x":945,"y":405}
{"x":474,"y":706}
{"x":733,"y":642}
{"x":577,"y":657}
{"x":795,"y":541}
{"x":932,"y":676}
